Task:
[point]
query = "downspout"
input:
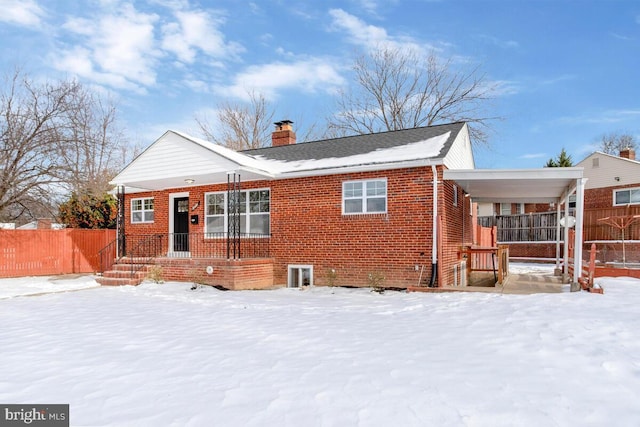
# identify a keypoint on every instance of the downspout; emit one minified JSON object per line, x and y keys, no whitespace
{"x":434,"y":233}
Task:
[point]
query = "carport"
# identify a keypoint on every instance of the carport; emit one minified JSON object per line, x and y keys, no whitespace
{"x":547,"y":185}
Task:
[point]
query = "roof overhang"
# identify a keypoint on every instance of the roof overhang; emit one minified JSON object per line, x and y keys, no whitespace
{"x":546,"y":185}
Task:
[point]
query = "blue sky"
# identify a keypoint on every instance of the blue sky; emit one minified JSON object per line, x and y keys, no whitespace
{"x":567,"y":71}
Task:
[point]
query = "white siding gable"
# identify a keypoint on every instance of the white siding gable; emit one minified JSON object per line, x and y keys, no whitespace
{"x":460,"y":155}
{"x":174,"y":156}
{"x":602,"y":169}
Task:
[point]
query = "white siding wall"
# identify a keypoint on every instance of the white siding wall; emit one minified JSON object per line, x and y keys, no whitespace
{"x":608,"y":168}
{"x":172,"y":155}
{"x":460,"y":156}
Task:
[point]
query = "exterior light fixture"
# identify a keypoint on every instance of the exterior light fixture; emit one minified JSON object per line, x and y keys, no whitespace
{"x":617,"y":178}
{"x":189,"y":180}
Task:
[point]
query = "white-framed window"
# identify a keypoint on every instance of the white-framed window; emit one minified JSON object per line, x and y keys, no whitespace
{"x":455,"y":195}
{"x":255,"y":217}
{"x":505,"y":208}
{"x":299,"y":275}
{"x":366,"y":196}
{"x":141,"y":210}
{"x":627,"y":196}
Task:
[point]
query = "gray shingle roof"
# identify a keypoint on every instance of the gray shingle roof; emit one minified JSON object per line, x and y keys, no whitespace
{"x":358,"y":144}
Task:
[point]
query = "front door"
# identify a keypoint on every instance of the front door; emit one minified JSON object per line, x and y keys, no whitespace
{"x":181,"y":224}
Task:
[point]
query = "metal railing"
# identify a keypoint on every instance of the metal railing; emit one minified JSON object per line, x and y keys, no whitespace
{"x":107,"y":256}
{"x":143,"y":248}
{"x":202,"y":245}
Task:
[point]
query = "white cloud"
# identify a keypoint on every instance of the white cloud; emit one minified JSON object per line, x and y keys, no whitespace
{"x":533,"y":156}
{"x":372,"y":37}
{"x":505,"y":44}
{"x":309,"y":75}
{"x":197,"y":30}
{"x":119,"y":48}
{"x":21,"y":12}
{"x":603,"y":117}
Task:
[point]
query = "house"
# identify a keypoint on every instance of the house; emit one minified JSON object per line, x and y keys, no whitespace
{"x":612,"y":180}
{"x":360,"y":211}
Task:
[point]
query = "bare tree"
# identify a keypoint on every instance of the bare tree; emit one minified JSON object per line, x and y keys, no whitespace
{"x":91,"y":144}
{"x":30,"y":117}
{"x":398,"y":89}
{"x":613,"y":143}
{"x":240,"y":126}
{"x":55,"y":138}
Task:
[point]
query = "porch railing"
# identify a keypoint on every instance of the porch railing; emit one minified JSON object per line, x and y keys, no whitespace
{"x":143,"y":248}
{"x":199,"y":245}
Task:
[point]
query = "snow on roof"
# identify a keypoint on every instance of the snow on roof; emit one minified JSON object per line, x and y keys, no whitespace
{"x":415,"y":151}
{"x":424,"y":149}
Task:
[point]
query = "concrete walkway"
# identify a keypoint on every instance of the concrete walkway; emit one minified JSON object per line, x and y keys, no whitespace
{"x":533,"y":284}
{"x":517,"y":284}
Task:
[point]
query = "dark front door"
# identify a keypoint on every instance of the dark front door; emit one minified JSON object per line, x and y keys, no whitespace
{"x":181,"y":224}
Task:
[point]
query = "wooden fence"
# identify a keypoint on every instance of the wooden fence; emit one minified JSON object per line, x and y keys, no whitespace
{"x":50,"y":252}
{"x":541,"y":226}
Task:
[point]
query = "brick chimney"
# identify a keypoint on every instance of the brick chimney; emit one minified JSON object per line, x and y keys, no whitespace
{"x":284,"y":134}
{"x":628,"y":153}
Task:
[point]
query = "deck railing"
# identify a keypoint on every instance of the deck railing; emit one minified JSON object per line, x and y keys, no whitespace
{"x":541,"y":226}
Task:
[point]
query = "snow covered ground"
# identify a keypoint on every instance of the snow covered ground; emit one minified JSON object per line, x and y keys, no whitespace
{"x":164,"y":355}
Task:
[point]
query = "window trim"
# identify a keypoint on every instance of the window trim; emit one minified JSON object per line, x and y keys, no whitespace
{"x":364,"y":197}
{"x":247,"y":212}
{"x":142,"y":211}
{"x":629,"y":189}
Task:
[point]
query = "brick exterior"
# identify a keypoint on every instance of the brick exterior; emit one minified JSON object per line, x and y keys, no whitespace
{"x":603,"y":197}
{"x":308,"y":228}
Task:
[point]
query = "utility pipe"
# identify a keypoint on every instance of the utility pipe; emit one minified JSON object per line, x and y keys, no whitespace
{"x":434,"y":232}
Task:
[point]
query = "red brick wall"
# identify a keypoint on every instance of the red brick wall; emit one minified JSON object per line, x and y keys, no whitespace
{"x":308,"y":227}
{"x":234,"y":274}
{"x":457,"y":229}
{"x":602,"y":197}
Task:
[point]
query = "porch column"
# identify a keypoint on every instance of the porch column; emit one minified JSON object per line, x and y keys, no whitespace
{"x":577,"y":261}
{"x":557,"y":270}
{"x":120,"y":246}
{"x":565,"y":254}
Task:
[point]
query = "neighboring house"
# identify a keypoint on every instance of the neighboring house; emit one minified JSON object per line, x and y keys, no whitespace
{"x":42,"y":224}
{"x":359,"y":210}
{"x":612,"y":180}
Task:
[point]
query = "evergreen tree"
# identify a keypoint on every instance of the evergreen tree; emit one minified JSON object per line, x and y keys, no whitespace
{"x":563,"y":160}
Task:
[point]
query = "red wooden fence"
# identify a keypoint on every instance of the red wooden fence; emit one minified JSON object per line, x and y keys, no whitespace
{"x":45,"y":252}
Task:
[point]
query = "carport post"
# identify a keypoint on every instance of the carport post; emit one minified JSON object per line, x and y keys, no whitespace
{"x":577,"y":261}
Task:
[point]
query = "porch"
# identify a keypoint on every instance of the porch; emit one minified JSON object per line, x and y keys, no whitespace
{"x":240,"y":262}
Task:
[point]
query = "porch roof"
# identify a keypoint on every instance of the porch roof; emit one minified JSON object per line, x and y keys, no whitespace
{"x":544,"y":185}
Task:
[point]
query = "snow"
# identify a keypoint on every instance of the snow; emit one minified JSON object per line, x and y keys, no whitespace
{"x":425,"y":149}
{"x":414,"y":151}
{"x":166,"y":355}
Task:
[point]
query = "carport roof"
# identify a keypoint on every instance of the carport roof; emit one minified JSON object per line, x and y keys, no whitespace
{"x":544,"y":185}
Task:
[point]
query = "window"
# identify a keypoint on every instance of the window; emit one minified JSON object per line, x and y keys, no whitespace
{"x":455,"y":195}
{"x":364,"y":196}
{"x":519,"y":208}
{"x":595,"y":162}
{"x":628,"y":196}
{"x":254,"y":212}
{"x":505,"y":208}
{"x":141,"y":210}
